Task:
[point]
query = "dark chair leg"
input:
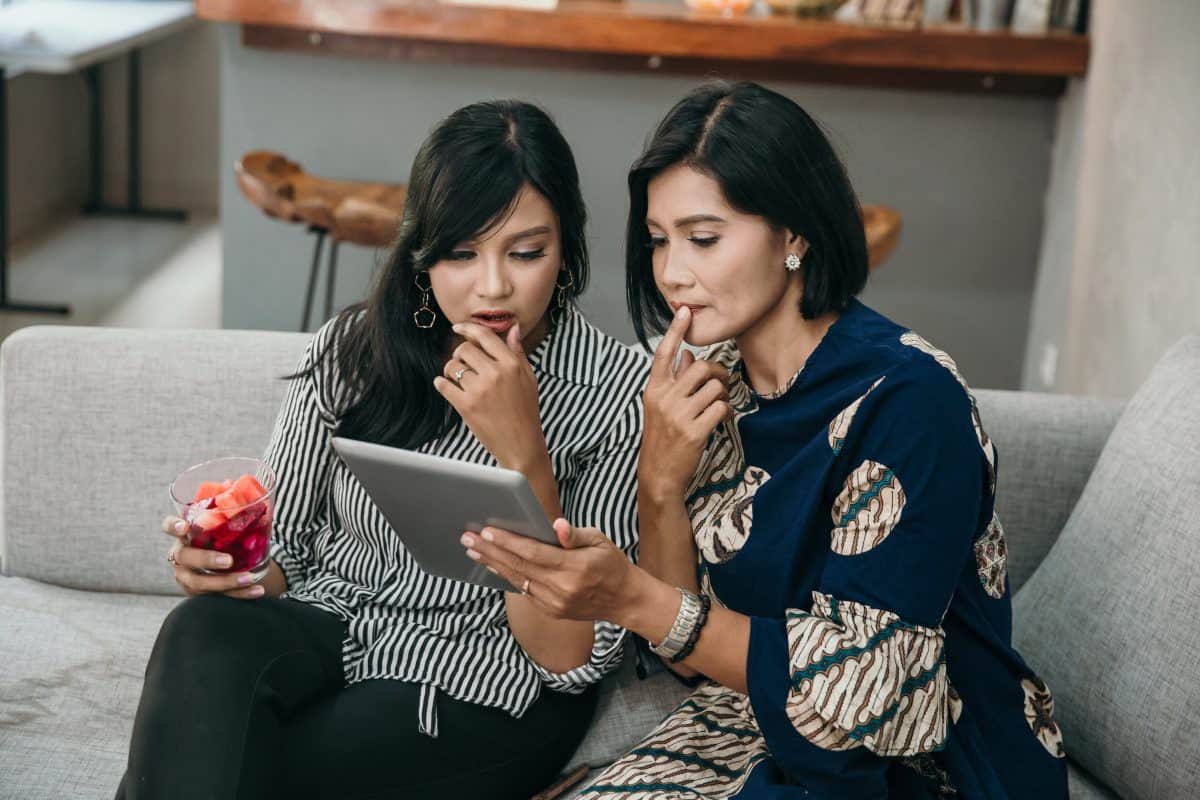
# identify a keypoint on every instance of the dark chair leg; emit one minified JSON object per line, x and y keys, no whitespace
{"x":330,"y":278}
{"x":312,"y":277}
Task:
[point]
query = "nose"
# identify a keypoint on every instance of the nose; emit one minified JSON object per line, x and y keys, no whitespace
{"x":494,"y":283}
{"x":675,"y":273}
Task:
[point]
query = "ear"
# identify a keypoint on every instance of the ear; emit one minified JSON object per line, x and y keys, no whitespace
{"x":797,"y":244}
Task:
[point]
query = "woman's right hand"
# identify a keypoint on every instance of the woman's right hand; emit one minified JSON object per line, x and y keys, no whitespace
{"x":683,"y":407}
{"x":188,"y":561}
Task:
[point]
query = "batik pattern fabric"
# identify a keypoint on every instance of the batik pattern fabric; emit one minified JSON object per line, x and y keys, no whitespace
{"x":851,"y":516}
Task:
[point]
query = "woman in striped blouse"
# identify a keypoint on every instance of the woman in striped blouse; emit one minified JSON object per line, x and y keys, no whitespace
{"x":353,"y":673}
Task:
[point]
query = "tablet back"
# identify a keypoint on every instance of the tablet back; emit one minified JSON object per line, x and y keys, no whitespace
{"x":429,"y":501}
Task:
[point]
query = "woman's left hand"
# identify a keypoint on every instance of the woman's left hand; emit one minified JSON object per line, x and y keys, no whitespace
{"x":491,"y":384}
{"x":588,"y":578}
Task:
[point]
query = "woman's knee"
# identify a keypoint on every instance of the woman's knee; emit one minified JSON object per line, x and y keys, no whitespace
{"x":200,"y":632}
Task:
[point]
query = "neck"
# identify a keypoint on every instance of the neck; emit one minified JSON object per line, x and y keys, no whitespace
{"x":777,"y":346}
{"x":531,"y":341}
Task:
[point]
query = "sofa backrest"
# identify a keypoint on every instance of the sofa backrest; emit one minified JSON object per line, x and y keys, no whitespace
{"x":1046,"y":448}
{"x":1109,"y":619}
{"x":95,"y":423}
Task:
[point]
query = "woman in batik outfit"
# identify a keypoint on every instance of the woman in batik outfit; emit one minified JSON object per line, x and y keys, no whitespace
{"x":828,"y":472}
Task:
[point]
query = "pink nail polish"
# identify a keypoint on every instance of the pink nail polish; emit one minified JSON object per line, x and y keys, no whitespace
{"x":245,"y":579}
{"x":257,"y":591}
{"x":474,"y":554}
{"x":488,"y":536}
{"x":467,"y":540}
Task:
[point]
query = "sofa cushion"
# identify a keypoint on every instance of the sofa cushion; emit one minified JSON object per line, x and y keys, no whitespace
{"x":96,"y":424}
{"x":1109,"y":618}
{"x":628,"y":708}
{"x":72,"y":673}
{"x":1084,"y":787}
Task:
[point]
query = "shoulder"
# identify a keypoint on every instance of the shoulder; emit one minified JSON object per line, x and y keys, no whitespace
{"x":915,"y":391}
{"x":602,"y":361}
{"x":322,"y":362}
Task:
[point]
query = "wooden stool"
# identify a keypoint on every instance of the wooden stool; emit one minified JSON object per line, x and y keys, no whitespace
{"x":358,"y":212}
{"x":882,"y":227}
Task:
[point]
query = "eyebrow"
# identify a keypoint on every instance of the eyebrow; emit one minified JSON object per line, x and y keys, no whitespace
{"x":692,"y":220}
{"x":525,"y":234}
{"x":516,"y":237}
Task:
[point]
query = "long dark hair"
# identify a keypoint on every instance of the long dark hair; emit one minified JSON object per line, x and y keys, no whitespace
{"x":770,"y":159}
{"x":463,"y":184}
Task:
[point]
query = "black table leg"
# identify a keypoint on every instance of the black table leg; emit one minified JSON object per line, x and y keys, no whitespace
{"x":5,"y":303}
{"x":133,"y":206}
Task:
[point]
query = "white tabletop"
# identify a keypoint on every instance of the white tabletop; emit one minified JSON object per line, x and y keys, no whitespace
{"x":68,"y":35}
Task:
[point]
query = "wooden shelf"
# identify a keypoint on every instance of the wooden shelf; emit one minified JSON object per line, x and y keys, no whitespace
{"x":639,"y":35}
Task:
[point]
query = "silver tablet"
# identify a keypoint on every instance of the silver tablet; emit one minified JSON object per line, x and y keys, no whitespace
{"x":429,"y":501}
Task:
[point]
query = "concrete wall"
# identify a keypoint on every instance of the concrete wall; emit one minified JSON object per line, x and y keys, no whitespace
{"x":47,"y":141}
{"x":1119,"y":274}
{"x":968,"y":172}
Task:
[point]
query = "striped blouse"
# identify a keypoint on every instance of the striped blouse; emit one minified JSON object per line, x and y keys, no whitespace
{"x":340,"y":554}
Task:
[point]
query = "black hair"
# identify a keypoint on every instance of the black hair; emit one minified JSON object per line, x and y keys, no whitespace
{"x":770,"y":159}
{"x":464,"y":183}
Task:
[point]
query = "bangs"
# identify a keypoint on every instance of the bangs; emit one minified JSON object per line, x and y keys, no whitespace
{"x":466,"y":204}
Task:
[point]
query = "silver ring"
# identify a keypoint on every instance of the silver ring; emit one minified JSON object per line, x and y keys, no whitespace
{"x":458,"y":375}
{"x":525,"y":587}
{"x":171,"y":556}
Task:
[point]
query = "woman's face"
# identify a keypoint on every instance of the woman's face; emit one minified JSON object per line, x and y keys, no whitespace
{"x":506,"y":276}
{"x":728,"y":266}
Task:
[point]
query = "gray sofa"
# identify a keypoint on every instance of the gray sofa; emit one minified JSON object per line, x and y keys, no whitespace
{"x":1104,"y":546}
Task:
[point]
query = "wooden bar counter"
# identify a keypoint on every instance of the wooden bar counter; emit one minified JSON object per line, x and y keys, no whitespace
{"x":639,"y":35}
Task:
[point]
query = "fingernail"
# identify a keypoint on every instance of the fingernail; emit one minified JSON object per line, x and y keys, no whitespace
{"x":488,"y":536}
{"x":456,"y":327}
{"x":180,"y":527}
{"x":224,"y":560}
{"x":245,"y":579}
{"x":467,"y":540}
{"x":473,"y":554}
{"x":257,"y":591}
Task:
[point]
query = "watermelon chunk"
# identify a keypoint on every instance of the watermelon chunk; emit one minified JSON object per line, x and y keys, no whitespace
{"x":247,"y":518}
{"x":207,"y":489}
{"x":208,"y":520}
{"x":229,"y":501}
{"x":249,"y":489}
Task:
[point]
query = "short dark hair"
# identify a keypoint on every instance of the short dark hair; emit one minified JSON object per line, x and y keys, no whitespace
{"x":771,"y":159}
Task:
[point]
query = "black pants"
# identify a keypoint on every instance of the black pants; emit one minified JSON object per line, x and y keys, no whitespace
{"x":245,"y":699}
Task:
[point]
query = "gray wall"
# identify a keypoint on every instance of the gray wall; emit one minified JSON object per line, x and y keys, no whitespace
{"x":47,"y":144}
{"x":1119,"y":276}
{"x":966,"y":171}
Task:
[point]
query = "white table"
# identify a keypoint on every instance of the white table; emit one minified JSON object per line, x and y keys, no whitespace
{"x":66,"y":36}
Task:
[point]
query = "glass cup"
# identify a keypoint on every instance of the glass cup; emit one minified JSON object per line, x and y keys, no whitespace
{"x":228,"y":504}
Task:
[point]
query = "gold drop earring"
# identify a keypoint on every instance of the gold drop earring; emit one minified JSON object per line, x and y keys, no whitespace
{"x":424,"y":317}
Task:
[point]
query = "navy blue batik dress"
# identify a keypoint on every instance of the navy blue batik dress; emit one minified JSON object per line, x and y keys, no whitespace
{"x":850,"y":516}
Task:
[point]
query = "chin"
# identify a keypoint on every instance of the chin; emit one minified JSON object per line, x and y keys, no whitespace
{"x":703,"y":335}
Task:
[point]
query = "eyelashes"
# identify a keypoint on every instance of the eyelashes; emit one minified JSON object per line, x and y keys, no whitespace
{"x":529,"y":255}
{"x":700,"y":241}
{"x":520,"y":255}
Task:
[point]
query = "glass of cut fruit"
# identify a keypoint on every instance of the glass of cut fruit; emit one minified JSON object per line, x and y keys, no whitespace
{"x":228,"y":504}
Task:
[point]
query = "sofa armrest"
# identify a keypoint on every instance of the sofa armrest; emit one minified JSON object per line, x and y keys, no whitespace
{"x":94,"y":424}
{"x":1047,"y":446}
